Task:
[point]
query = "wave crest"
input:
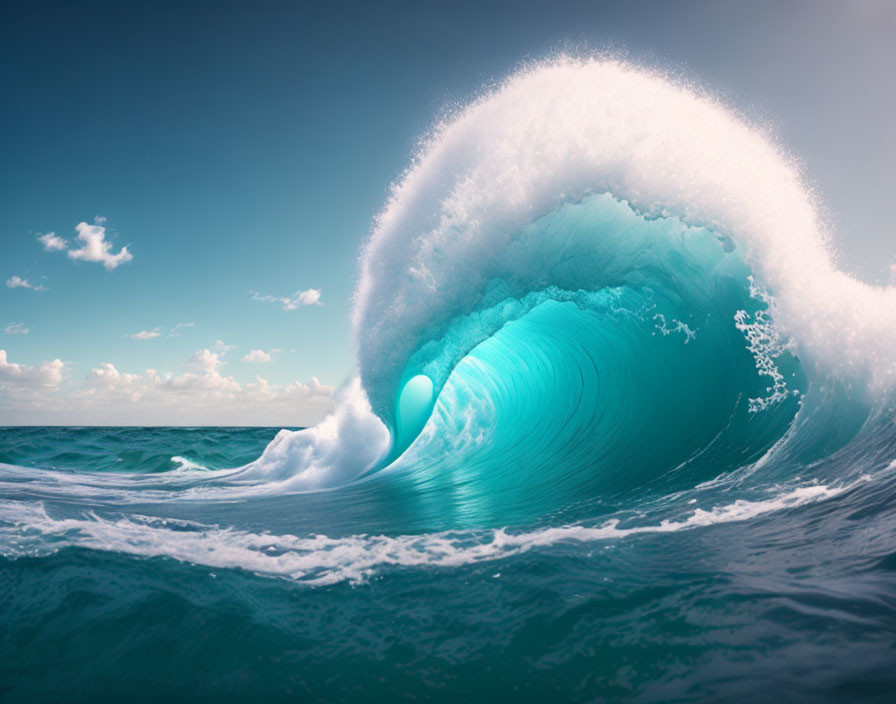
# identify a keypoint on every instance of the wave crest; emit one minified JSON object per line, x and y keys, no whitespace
{"x":558,"y":131}
{"x":595,"y":184}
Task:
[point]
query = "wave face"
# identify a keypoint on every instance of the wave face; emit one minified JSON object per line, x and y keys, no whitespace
{"x":620,"y":430}
{"x":615,"y":259}
{"x":461,"y":217}
{"x":631,"y":371}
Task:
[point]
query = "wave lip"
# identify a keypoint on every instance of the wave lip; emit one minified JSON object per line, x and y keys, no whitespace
{"x":600,"y":209}
{"x":551,"y":135}
{"x":562,"y":184}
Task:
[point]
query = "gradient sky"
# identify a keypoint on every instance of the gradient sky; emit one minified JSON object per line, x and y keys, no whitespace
{"x":238,"y":147}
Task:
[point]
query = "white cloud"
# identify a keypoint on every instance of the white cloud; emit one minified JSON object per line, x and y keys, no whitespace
{"x":201,"y":393}
{"x":261,"y":389}
{"x":205,"y":360}
{"x":205,"y":380}
{"x":107,"y":376}
{"x":17,"y":329}
{"x":155,"y":332}
{"x":52,"y":243}
{"x":19,"y":282}
{"x":180,"y":326}
{"x":96,"y":248}
{"x":107,"y":381}
{"x":144,"y":335}
{"x":43,"y":376}
{"x":309,"y":297}
{"x":257,"y":356}
{"x":221,"y":348}
{"x":202,"y":381}
{"x":313,"y":388}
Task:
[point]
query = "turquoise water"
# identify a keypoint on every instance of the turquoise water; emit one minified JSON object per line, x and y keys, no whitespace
{"x":620,"y":432}
{"x":604,"y":500}
{"x":796,"y":604}
{"x":628,"y":489}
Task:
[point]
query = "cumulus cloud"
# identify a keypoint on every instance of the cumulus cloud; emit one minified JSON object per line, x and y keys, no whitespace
{"x":46,"y":375}
{"x":203,"y":380}
{"x":309,"y":297}
{"x":313,"y":388}
{"x":107,"y":376}
{"x":96,"y":248}
{"x":107,"y":381}
{"x":205,"y":360}
{"x":204,"y":377}
{"x":144,"y":335}
{"x":257,"y":356}
{"x":17,"y":329}
{"x":19,"y":282}
{"x":52,"y":243}
{"x":221,"y":348}
{"x":202,"y":389}
{"x":200,"y":393}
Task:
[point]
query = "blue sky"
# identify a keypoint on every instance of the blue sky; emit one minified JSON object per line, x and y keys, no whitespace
{"x":236,"y":147}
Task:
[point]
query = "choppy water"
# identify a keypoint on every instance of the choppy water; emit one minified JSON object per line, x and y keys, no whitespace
{"x":197,"y":600}
{"x":621,"y":431}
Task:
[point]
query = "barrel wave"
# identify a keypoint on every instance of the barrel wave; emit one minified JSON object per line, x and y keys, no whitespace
{"x":620,"y":428}
{"x":606,"y":281}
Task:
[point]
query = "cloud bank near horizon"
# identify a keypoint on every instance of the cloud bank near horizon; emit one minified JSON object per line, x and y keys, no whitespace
{"x":109,"y":396}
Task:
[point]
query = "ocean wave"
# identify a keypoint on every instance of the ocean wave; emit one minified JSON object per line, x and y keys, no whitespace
{"x":649,"y":208}
{"x":593,"y":286}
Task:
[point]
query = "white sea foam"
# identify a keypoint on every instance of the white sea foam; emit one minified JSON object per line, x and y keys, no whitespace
{"x":552,"y":134}
{"x":350,"y":441}
{"x":766,"y":344}
{"x":183,"y":464}
{"x":342,"y":447}
{"x":557,"y":131}
{"x":28,"y":528}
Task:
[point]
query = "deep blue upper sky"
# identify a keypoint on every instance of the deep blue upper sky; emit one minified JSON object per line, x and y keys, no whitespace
{"x":237,"y":147}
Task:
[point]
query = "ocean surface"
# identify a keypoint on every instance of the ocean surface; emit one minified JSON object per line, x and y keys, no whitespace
{"x":620,"y":431}
{"x":777,"y":588}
